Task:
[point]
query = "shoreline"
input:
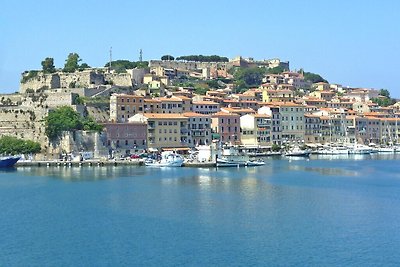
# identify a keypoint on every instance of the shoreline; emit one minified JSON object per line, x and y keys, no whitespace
{"x":101,"y":163}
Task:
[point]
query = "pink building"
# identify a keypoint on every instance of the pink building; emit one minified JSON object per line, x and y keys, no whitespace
{"x":126,"y":137}
{"x":227,"y":126}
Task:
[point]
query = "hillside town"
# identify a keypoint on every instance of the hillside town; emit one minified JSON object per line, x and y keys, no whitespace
{"x":180,"y":104}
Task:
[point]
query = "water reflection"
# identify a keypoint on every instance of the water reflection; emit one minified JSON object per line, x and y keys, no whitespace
{"x":8,"y":170}
{"x":76,"y":174}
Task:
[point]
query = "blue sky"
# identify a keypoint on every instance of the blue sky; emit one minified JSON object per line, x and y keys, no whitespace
{"x":354,"y":43}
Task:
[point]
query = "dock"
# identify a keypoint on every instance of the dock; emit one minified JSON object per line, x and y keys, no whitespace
{"x":86,"y":163}
{"x":197,"y":164}
{"x":100,"y":163}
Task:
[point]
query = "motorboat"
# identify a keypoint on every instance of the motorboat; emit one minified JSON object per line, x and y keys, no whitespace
{"x":360,"y":149}
{"x":333,"y":150}
{"x":8,"y":162}
{"x":254,"y":163}
{"x":224,"y":162}
{"x":168,"y":159}
{"x":297,"y":152}
{"x":386,"y":149}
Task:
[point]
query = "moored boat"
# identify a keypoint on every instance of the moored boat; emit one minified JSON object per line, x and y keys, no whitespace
{"x":8,"y":162}
{"x":360,"y":149}
{"x":168,"y":159}
{"x":254,"y":163}
{"x":297,"y":152}
{"x":223,"y":162}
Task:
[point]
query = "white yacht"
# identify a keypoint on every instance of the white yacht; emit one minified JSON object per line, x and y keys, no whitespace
{"x":360,"y":149}
{"x":297,"y":152}
{"x":168,"y":159}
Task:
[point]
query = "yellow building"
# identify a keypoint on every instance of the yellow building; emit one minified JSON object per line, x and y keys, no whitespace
{"x":277,"y":95}
{"x":255,"y":129}
{"x":164,"y":130}
{"x":123,"y":106}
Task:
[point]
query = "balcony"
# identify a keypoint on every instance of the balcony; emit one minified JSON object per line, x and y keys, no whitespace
{"x":199,"y":133}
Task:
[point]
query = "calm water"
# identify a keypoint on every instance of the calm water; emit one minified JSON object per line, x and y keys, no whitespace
{"x":318,"y":212}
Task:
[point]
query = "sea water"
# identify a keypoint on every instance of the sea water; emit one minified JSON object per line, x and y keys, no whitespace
{"x":291,"y":212}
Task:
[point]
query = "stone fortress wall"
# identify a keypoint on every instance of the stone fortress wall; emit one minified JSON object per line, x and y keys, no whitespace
{"x":79,"y":79}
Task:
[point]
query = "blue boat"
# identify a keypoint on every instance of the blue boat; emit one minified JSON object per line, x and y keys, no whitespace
{"x":7,"y":162}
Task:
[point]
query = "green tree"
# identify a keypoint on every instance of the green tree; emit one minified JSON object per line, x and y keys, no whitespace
{"x":14,"y":146}
{"x":27,"y":75}
{"x":383,"y":101}
{"x":71,"y":63}
{"x":384,"y":92}
{"x":276,"y":148}
{"x":200,"y":89}
{"x":48,"y":65}
{"x":84,"y":66}
{"x":248,"y":77}
{"x":276,"y":70}
{"x":61,"y":119}
{"x":121,"y":65}
{"x":313,"y":77}
{"x":66,"y":119}
{"x":89,"y":124}
{"x":167,"y":57}
{"x":213,"y":84}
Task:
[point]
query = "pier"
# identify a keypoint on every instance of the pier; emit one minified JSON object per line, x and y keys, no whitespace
{"x":86,"y":163}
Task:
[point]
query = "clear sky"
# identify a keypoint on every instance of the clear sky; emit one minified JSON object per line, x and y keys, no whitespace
{"x":350,"y":42}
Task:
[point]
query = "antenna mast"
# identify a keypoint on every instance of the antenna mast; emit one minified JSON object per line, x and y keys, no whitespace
{"x":109,"y":66}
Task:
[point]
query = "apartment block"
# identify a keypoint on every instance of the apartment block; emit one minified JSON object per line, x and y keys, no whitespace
{"x":123,"y":106}
{"x":199,"y":129}
{"x":164,"y":130}
{"x":227,"y":127}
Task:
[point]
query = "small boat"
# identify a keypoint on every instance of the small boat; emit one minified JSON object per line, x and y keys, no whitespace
{"x":221,"y":162}
{"x":253,"y":163}
{"x":386,"y":149}
{"x":168,"y":159}
{"x":297,"y":152}
{"x":8,"y":162}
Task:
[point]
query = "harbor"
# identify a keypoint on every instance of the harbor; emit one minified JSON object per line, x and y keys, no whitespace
{"x":313,"y":206}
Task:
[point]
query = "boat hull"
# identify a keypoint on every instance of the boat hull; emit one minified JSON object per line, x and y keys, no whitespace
{"x":298,"y":154}
{"x":8,"y":162}
{"x":157,"y":164}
